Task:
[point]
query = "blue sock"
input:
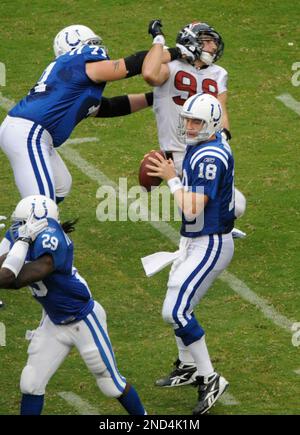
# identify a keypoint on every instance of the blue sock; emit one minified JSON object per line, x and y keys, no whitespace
{"x":31,"y":404}
{"x":131,"y":402}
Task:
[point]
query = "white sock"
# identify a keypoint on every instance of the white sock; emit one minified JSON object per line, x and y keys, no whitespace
{"x":200,"y":354}
{"x":183,"y":352}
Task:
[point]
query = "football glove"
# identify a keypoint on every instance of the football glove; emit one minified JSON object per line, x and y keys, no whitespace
{"x":226,"y":134}
{"x":154,"y":28}
{"x":29,"y":231}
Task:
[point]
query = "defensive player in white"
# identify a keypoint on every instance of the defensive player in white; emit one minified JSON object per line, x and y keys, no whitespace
{"x":200,"y":46}
{"x":73,"y":317}
{"x":206,"y":199}
{"x":69,"y":90}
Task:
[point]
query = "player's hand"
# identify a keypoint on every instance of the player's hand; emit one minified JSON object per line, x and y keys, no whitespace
{"x":161,"y":167}
{"x":33,"y":227}
{"x":186,"y":52}
{"x":226,"y":134}
{"x":155,"y":28}
{"x":2,"y":218}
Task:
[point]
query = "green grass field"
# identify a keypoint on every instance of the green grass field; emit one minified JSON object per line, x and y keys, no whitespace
{"x":253,"y":353}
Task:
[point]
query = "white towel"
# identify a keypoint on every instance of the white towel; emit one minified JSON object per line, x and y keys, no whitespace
{"x":159,"y":260}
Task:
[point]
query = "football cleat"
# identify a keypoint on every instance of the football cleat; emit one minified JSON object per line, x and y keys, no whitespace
{"x":183,"y":374}
{"x":238,"y":234}
{"x":209,"y":390}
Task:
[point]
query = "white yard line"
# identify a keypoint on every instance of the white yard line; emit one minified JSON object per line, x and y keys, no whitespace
{"x":289,"y":102}
{"x":6,"y":103}
{"x":82,"y":406}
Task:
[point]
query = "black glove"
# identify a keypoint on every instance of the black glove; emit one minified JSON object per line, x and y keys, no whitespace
{"x":155,"y":28}
{"x":226,"y":134}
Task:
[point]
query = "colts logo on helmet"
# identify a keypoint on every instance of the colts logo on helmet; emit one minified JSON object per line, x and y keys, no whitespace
{"x":212,"y":113}
{"x":45,"y":211}
{"x":74,"y":43}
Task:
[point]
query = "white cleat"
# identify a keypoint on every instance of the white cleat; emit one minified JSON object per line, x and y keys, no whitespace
{"x":238,"y":234}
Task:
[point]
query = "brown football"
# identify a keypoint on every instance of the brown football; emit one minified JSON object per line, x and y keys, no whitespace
{"x":145,"y":180}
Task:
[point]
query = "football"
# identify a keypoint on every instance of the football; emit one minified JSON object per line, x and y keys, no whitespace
{"x":145,"y":180}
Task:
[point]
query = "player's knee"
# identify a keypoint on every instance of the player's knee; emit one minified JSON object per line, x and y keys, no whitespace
{"x":64,"y":190}
{"x":240,"y":204}
{"x":170,"y":316}
{"x":108,"y":387}
{"x":30,"y":382}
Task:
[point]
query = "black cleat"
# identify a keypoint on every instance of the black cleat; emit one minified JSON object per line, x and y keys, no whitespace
{"x":209,"y":390}
{"x":183,"y":374}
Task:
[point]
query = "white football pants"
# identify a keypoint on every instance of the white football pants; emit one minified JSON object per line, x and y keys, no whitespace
{"x":51,"y":344}
{"x":37,"y":166}
{"x":191,"y":275}
{"x":240,"y":200}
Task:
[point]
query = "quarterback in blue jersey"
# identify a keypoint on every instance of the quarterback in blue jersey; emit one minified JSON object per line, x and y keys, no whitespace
{"x":72,"y":316}
{"x":205,"y":196}
{"x":69,"y":90}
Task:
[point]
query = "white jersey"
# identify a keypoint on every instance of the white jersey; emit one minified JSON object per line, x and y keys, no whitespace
{"x":183,"y":82}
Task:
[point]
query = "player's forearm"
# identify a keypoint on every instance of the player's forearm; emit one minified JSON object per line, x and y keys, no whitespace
{"x":152,"y":64}
{"x":140,"y":101}
{"x":191,"y":204}
{"x":35,"y":271}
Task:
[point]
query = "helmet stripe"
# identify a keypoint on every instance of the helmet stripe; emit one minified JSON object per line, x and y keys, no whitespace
{"x":193,"y":101}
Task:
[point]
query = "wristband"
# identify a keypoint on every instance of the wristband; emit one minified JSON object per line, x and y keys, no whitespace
{"x":149,"y":98}
{"x":16,"y":257}
{"x":175,"y":184}
{"x":159,"y":39}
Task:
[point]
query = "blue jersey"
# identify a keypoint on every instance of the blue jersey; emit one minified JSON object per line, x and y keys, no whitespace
{"x":64,"y":94}
{"x":208,"y":168}
{"x":64,"y":294}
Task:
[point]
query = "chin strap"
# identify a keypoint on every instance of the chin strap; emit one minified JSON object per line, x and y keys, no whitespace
{"x":207,"y":58}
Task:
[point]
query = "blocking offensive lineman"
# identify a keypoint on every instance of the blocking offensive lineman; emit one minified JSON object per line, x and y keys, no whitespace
{"x":205,"y":197}
{"x":69,"y":90}
{"x":73,"y":317}
{"x":195,"y":71}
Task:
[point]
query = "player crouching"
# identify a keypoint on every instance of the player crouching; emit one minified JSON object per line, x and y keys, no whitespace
{"x":73,"y":317}
{"x":205,"y":197}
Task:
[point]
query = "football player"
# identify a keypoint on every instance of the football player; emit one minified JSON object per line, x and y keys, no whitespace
{"x":69,"y":90}
{"x":73,"y":317}
{"x":195,"y":71}
{"x":205,"y":197}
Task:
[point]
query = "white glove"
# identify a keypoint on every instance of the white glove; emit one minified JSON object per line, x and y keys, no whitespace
{"x":33,"y":227}
{"x":186,"y":53}
{"x":2,"y":218}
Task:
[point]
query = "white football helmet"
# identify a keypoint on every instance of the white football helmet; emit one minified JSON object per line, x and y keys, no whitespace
{"x":39,"y":205}
{"x":74,"y":36}
{"x":203,"y":107}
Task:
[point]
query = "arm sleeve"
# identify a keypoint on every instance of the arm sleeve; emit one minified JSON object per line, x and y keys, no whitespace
{"x":116,"y":106}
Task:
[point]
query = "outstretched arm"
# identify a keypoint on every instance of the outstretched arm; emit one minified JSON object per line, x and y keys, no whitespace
{"x":124,"y":105}
{"x":154,"y":71}
{"x":111,"y":70}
